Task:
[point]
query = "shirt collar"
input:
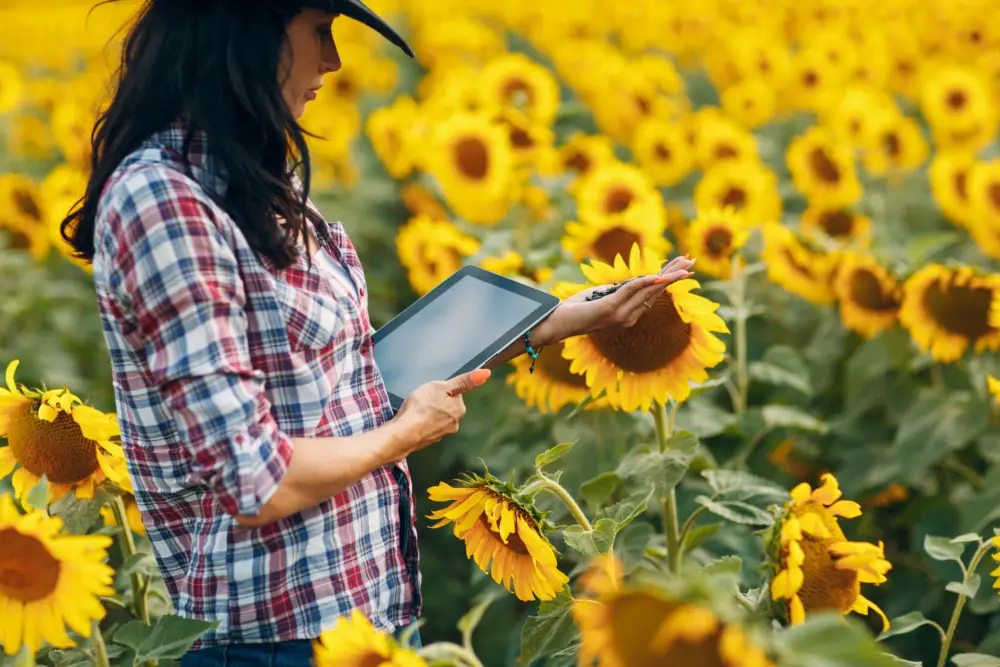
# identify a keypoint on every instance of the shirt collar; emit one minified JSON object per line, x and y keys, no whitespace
{"x":206,"y":168}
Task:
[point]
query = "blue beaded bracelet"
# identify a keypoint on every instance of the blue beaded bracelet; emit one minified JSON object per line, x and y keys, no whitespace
{"x":531,"y":351}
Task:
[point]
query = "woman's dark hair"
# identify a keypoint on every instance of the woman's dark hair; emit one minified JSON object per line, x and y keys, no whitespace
{"x":217,"y":61}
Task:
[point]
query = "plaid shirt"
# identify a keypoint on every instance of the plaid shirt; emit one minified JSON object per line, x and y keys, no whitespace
{"x":220,"y":358}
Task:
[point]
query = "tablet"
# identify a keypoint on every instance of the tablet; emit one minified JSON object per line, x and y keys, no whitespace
{"x":458,"y":326}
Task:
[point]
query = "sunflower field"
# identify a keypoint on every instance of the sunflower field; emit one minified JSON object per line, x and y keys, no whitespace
{"x":792,"y":459}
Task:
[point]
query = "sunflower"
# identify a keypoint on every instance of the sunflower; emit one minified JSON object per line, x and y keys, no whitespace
{"x":620,"y":192}
{"x":606,"y":238}
{"x":132,"y":516}
{"x":993,"y":386}
{"x":897,"y":145}
{"x":823,"y":168}
{"x":514,"y":80}
{"x":947,"y":310}
{"x":662,"y":150}
{"x":530,"y":139}
{"x":30,"y":137}
{"x":984,"y":192}
{"x":856,"y":112}
{"x":390,"y":131}
{"x":868,"y":294}
{"x":747,"y":186}
{"x":48,"y":580}
{"x":71,"y":125}
{"x":891,"y":495}
{"x":959,"y":106}
{"x":581,"y":155}
{"x":713,"y":238}
{"x":797,"y":267}
{"x":52,"y":433}
{"x":354,"y":642}
{"x":751,"y":102}
{"x":418,"y":200}
{"x":813,"y":83}
{"x":432,"y":250}
{"x":719,"y":140}
{"x":670,"y":345}
{"x":472,"y":161}
{"x":497,"y":525}
{"x":840,"y":224}
{"x":949,"y":176}
{"x":817,"y":568}
{"x":12,"y":87}
{"x":633,"y":626}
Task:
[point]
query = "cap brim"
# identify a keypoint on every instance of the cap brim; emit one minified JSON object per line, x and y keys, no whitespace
{"x":358,"y":11}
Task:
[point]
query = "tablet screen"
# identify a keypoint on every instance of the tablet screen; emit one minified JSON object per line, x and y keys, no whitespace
{"x":453,"y":328}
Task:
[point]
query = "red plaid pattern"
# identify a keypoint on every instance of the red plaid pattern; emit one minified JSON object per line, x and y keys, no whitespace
{"x":218,"y":360}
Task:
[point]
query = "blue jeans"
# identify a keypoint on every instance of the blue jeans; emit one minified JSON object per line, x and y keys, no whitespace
{"x":294,"y":653}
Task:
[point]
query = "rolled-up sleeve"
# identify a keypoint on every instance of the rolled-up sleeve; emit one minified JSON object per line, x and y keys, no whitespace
{"x":179,"y":279}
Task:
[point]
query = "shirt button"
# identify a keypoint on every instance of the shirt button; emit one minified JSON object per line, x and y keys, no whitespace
{"x":364,"y":348}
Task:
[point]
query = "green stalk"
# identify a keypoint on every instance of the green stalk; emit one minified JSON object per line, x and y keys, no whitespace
{"x":447,"y":650}
{"x":128,"y":548}
{"x":960,"y":603}
{"x":544,"y":483}
{"x":100,"y":648}
{"x":668,"y":503}
{"x":738,"y":298}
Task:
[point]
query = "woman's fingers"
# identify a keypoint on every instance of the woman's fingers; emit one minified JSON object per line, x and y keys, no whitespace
{"x":683,"y":262}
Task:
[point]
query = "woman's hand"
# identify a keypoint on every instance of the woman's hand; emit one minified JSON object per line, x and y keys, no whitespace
{"x":431,"y":412}
{"x":577,"y":315}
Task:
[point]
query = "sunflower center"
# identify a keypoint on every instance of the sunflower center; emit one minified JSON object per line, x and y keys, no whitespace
{"x":659,"y":337}
{"x":795,"y":264}
{"x":618,"y":200}
{"x":957,"y":99}
{"x":735,"y":196}
{"x":26,"y":204}
{"x":18,"y":240}
{"x":718,"y":241}
{"x":662,"y":152}
{"x":517,"y":92}
{"x":891,"y":143}
{"x":810,"y":79}
{"x":28,"y":572}
{"x":555,"y":366}
{"x":961,"y":185}
{"x":837,"y":223}
{"x":472,"y":158}
{"x":825,"y":586}
{"x":56,"y":449}
{"x":867,"y":291}
{"x":578,"y":162}
{"x":994,"y":191}
{"x":725,"y":152}
{"x":371,"y":659}
{"x":615,"y":241}
{"x":960,"y":310}
{"x":514,"y":542}
{"x":519,"y":138}
{"x":823,"y":166}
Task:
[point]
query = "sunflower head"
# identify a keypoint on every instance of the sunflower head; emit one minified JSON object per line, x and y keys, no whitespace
{"x":868,"y":294}
{"x":431,"y":250}
{"x":796,"y":266}
{"x":823,"y":167}
{"x":816,"y":567}
{"x":630,"y":626}
{"x":839,"y":224}
{"x":498,"y":524}
{"x":52,"y":433}
{"x":713,"y":238}
{"x":354,"y":642}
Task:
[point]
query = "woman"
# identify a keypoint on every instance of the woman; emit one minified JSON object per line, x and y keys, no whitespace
{"x":267,"y":463}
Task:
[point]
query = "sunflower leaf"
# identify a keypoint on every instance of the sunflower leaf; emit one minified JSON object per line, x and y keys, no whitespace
{"x":782,"y":366}
{"x":78,"y":514}
{"x":942,"y":548}
{"x":739,"y":485}
{"x":172,"y":637}
{"x":132,"y":634}
{"x":549,"y":632}
{"x":967,"y":537}
{"x":553,"y":454}
{"x":626,"y":511}
{"x":139,"y":563}
{"x":591,"y":542}
{"x":40,"y":494}
{"x":827,"y":639}
{"x":597,"y":490}
{"x":975,"y":660}
{"x":663,"y":470}
{"x":967,"y":588}
{"x":907,"y":623}
{"x":736,"y":511}
{"x":776,"y":416}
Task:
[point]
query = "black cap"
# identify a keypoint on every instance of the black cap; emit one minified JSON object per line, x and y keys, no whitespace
{"x":359,"y":11}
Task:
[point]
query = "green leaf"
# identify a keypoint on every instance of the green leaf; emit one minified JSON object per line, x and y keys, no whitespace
{"x":660,"y":469}
{"x":975,"y":660}
{"x":63,"y":658}
{"x":132,"y":634}
{"x":624,"y":512}
{"x":697,"y":535}
{"x":140,"y":563}
{"x":924,"y":247}
{"x":554,"y":454}
{"x":942,"y":548}
{"x":831,"y":640}
{"x":630,"y":545}
{"x":172,"y":637}
{"x":967,"y":537}
{"x":597,"y":490}
{"x":967,"y":588}
{"x":782,"y":366}
{"x":467,"y":624}
{"x":776,"y":416}
{"x":591,"y":542}
{"x":739,"y":485}
{"x":78,"y":515}
{"x":40,"y":494}
{"x":983,"y":508}
{"x":550,"y":631}
{"x":736,"y":511}
{"x":702,"y":416}
{"x":938,"y":422}
{"x":907,"y":623}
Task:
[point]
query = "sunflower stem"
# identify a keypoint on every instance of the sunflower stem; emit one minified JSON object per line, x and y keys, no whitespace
{"x":668,"y":503}
{"x":549,"y":484}
{"x":128,"y":548}
{"x":100,"y":648}
{"x":960,"y":603}
{"x":447,"y":650}
{"x":739,"y":302}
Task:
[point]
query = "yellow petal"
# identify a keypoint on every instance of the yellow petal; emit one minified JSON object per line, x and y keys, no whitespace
{"x":537,"y":546}
{"x":7,"y":461}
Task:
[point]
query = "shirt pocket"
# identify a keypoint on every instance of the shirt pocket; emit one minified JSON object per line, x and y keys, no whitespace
{"x":312,"y":320}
